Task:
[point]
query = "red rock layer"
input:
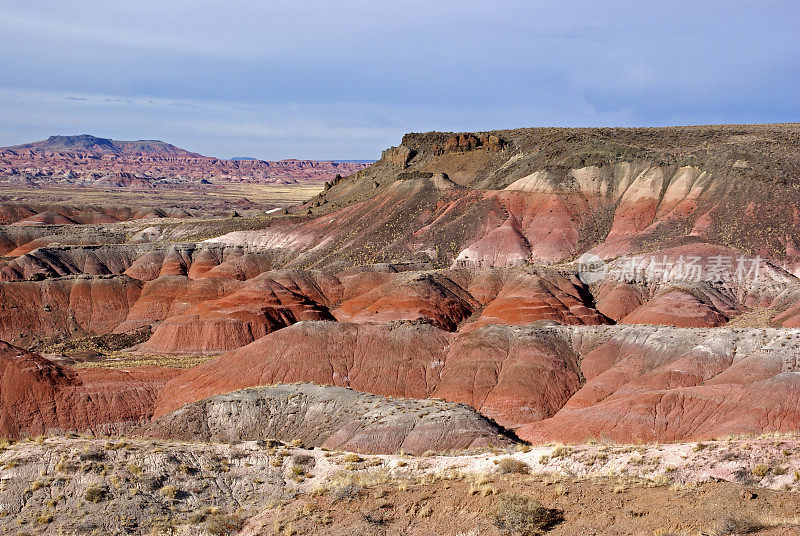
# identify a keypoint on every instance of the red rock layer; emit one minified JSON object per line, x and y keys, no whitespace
{"x":446,"y":299}
{"x":65,"y":306}
{"x":551,"y":384}
{"x":650,"y":384}
{"x":260,"y":306}
{"x":37,"y":396}
{"x":511,"y":377}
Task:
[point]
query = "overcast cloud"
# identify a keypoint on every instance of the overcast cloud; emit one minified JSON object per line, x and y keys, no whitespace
{"x":345,"y":79}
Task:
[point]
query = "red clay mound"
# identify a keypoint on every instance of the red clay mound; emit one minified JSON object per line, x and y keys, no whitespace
{"x":12,"y":212}
{"x":391,"y":360}
{"x":676,"y":308}
{"x":660,"y":384}
{"x":46,"y":218}
{"x":260,"y":306}
{"x":66,"y":306}
{"x":511,"y":376}
{"x":384,"y":297}
{"x":173,"y":295}
{"x":521,"y":297}
{"x":37,"y":396}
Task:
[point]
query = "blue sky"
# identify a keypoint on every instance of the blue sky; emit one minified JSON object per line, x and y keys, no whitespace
{"x":346,"y":79}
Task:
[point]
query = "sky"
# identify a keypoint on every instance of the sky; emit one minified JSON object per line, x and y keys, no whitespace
{"x":346,"y":79}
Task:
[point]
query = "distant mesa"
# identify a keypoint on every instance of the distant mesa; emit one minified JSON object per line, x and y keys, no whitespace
{"x":88,"y":143}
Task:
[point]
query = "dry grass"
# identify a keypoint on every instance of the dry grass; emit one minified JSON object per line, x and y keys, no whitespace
{"x":344,"y":485}
{"x":737,"y":526}
{"x":94,"y":493}
{"x":280,"y":194}
{"x":560,"y":451}
{"x":124,"y":360}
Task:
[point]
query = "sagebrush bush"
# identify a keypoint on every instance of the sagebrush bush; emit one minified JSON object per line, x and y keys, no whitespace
{"x":304,"y":459}
{"x":94,"y":493}
{"x":169,"y":492}
{"x":760,"y":471}
{"x":224,"y":525}
{"x":732,"y":526}
{"x":519,"y":515}
{"x":511,"y":465}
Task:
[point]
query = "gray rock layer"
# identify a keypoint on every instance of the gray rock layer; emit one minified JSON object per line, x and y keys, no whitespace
{"x":331,"y":417}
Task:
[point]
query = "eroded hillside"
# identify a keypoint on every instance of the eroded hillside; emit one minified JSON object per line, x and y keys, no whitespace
{"x":454,"y":267}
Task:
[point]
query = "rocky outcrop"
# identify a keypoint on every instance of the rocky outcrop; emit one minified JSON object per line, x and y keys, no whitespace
{"x":464,"y":142}
{"x":332,"y":417}
{"x":398,"y":156}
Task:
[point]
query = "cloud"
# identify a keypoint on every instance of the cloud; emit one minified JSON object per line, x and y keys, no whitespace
{"x":344,"y":79}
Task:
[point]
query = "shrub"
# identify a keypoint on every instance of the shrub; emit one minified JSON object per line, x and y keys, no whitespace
{"x":36,"y":485}
{"x":224,"y":525}
{"x":341,"y":486}
{"x":510,"y":465}
{"x":736,"y":526}
{"x":94,"y":493}
{"x":348,"y":490}
{"x":760,"y":471}
{"x":352,"y":458}
{"x":298,"y":470}
{"x":134,"y":469}
{"x":560,"y":451}
{"x":519,"y":515}
{"x":169,"y":492}
{"x":304,"y":459}
{"x":90,"y":454}
{"x":64,"y":465}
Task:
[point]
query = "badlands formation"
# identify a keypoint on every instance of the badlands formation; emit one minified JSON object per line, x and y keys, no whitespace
{"x":87,"y":160}
{"x":467,"y":291}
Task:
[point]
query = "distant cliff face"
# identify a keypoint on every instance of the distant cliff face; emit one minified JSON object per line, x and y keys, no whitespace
{"x":71,"y":159}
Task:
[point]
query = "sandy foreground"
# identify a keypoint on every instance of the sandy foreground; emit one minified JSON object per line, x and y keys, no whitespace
{"x":77,"y":485}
